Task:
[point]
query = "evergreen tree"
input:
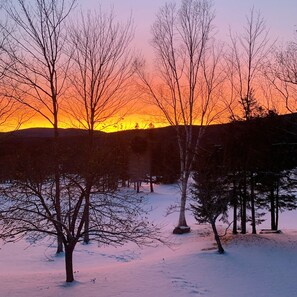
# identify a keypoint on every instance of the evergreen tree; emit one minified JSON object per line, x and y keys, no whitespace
{"x":277,"y":189}
{"x":211,"y":195}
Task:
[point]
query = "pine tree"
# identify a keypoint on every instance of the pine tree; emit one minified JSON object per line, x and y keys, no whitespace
{"x":211,"y":195}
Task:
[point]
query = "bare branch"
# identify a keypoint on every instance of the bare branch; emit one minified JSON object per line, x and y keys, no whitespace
{"x":102,"y":68}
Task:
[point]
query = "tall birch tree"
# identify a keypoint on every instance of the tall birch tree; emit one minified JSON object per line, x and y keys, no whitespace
{"x":187,"y":79}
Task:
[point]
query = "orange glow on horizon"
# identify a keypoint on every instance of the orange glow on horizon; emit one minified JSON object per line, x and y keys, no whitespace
{"x":130,"y":122}
{"x":145,"y":119}
{"x":141,"y":114}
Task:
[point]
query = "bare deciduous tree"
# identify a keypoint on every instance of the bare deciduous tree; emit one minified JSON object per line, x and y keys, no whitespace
{"x":28,"y":209}
{"x":102,"y":68}
{"x":246,"y":60}
{"x":101,"y":76}
{"x":12,"y":116}
{"x":35,"y":63}
{"x":282,"y":74}
{"x":187,"y":79}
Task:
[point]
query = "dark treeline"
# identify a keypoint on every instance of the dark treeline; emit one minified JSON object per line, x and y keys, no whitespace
{"x":263,"y":144}
{"x":115,"y":153}
{"x":267,"y":144}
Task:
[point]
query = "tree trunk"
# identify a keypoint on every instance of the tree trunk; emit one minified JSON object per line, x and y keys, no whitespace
{"x":235,"y":206}
{"x":182,"y":226}
{"x":272,"y":210}
{"x":57,"y":185}
{"x":254,"y":231}
{"x":138,"y":186}
{"x":89,"y":184}
{"x":217,"y":238}
{"x":182,"y":214}
{"x":87,"y":219}
{"x":151,"y":184}
{"x":277,"y":205}
{"x":243,"y":208}
{"x":59,"y":244}
{"x":58,"y":211}
{"x":69,"y":263}
{"x":234,"y":217}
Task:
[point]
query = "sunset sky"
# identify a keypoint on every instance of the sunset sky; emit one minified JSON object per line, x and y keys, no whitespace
{"x":280,"y":17}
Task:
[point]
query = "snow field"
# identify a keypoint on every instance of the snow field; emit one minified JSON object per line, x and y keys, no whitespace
{"x":254,"y":265}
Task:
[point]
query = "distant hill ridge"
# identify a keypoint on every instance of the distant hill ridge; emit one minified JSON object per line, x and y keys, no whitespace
{"x":73,"y":132}
{"x":48,"y":132}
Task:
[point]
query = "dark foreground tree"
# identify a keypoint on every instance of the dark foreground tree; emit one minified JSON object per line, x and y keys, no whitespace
{"x":211,"y":195}
{"x":28,"y":209}
{"x":278,"y":193}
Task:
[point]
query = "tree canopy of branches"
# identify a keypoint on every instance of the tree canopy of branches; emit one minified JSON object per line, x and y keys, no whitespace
{"x":248,"y":55}
{"x":33,"y":54}
{"x":282,"y":74}
{"x":101,"y":68}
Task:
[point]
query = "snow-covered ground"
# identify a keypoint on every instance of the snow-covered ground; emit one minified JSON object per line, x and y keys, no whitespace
{"x":254,"y":265}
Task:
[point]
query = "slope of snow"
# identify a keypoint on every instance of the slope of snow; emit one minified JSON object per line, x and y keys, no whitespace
{"x":254,"y":265}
